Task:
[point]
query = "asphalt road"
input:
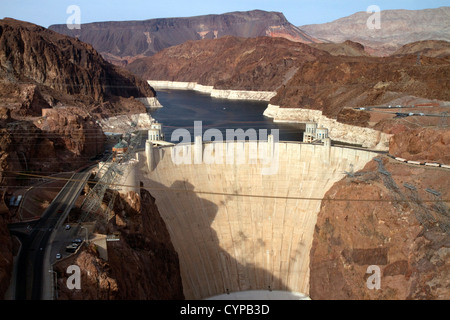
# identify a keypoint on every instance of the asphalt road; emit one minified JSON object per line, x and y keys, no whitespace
{"x":31,"y":260}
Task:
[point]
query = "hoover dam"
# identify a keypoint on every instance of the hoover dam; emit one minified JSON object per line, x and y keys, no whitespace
{"x":242,"y":223}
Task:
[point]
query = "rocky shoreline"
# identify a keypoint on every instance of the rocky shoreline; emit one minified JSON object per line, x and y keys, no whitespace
{"x":215,"y":93}
{"x":367,"y":137}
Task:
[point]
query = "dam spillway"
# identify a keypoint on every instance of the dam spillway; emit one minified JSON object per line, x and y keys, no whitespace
{"x":235,"y":228}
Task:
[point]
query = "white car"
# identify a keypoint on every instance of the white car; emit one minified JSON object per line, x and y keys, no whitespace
{"x":58,"y":256}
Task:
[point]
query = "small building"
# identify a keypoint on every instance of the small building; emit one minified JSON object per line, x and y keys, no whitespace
{"x":119,"y":150}
{"x":310,"y":132}
{"x":321,"y":133}
{"x":155,"y":132}
{"x":314,"y":134}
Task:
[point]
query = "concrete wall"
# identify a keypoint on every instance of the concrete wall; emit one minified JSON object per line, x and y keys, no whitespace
{"x":236,"y":229}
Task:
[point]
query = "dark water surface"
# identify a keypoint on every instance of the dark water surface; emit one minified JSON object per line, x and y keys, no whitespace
{"x":183,"y":107}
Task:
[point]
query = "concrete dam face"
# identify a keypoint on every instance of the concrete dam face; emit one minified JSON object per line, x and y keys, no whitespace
{"x":243,"y":223}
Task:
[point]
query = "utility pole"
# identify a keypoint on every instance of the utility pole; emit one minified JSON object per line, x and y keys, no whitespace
{"x":419,"y":62}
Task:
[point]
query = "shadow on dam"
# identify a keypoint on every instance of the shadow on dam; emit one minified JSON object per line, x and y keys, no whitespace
{"x":201,"y":251}
{"x":236,"y":229}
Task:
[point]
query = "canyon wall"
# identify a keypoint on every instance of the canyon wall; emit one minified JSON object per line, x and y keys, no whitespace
{"x":245,"y":224}
{"x":143,"y":265}
{"x":402,"y":231}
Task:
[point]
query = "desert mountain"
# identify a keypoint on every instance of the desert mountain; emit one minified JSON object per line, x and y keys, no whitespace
{"x":259,"y":64}
{"x":122,"y":42}
{"x":398,"y":27}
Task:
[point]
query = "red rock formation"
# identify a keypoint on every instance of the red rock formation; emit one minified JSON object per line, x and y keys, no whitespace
{"x":143,"y":265}
{"x":422,"y":144}
{"x":64,"y":140}
{"x":380,"y":222}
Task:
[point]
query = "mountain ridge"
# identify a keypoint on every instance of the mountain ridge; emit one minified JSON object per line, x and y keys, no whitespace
{"x":121,"y":42}
{"x":398,"y":27}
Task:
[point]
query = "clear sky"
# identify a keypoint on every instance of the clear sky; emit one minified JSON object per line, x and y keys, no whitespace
{"x":298,"y":12}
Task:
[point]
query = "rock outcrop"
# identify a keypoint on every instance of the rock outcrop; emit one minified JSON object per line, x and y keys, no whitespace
{"x":143,"y":265}
{"x":397,"y":27}
{"x":63,"y":140}
{"x":422,"y":144}
{"x":373,"y":219}
{"x":123,"y":42}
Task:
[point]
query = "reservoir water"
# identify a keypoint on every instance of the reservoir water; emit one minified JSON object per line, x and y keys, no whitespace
{"x":183,"y":107}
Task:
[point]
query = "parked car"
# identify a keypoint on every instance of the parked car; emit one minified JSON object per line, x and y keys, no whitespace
{"x":72,"y":248}
{"x":67,"y":227}
{"x":58,"y":256}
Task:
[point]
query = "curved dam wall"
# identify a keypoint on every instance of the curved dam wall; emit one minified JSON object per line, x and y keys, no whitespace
{"x":235,"y":226}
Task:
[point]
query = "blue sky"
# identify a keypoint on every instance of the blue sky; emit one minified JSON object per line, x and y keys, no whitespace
{"x":298,"y":12}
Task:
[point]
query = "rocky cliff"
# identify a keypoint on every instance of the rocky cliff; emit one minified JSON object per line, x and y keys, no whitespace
{"x":422,"y":144}
{"x":373,"y":219}
{"x":33,"y":54}
{"x":122,"y":42}
{"x":40,"y":68}
{"x":65,"y":139}
{"x":397,"y":28}
{"x":143,"y":265}
{"x":258,"y":64}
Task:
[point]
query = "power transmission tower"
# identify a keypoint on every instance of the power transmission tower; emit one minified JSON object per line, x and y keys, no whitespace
{"x":112,"y":175}
{"x":444,"y":119}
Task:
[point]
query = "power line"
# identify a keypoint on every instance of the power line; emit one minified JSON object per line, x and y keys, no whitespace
{"x":236,"y":194}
